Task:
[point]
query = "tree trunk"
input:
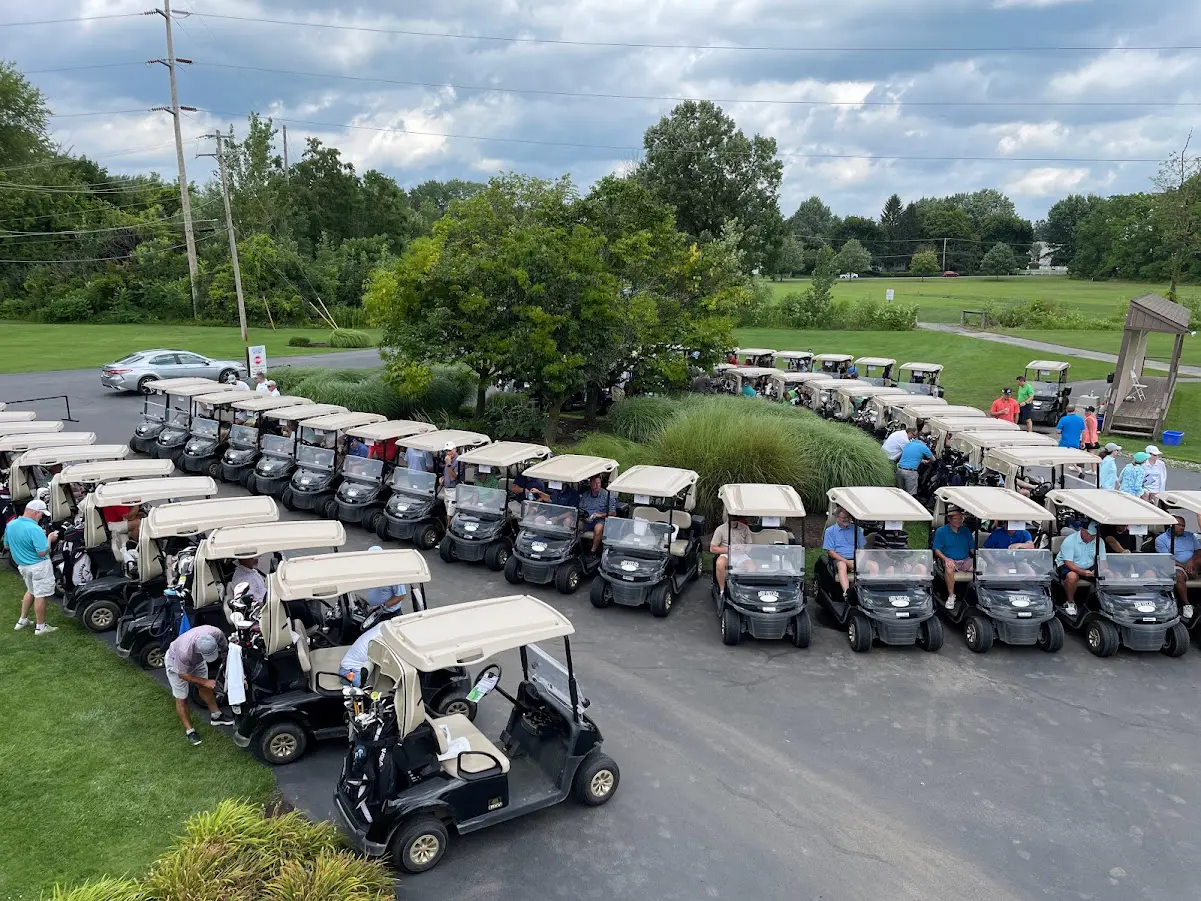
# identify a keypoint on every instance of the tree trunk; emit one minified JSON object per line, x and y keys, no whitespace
{"x":591,"y":404}
{"x":481,"y":397}
{"x":552,"y":420}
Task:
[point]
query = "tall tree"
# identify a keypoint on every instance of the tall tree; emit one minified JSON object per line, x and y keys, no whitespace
{"x":853,"y":257}
{"x":23,"y":118}
{"x":813,"y":222}
{"x":998,"y":261}
{"x":1058,"y":230}
{"x":924,"y":263}
{"x":1178,"y":211}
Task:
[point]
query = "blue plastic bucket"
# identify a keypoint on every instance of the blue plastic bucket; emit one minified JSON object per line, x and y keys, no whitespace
{"x":1172,"y":439}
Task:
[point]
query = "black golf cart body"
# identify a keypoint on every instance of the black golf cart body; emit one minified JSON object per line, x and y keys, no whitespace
{"x":279,"y":437}
{"x":765,"y":583}
{"x":242,"y":449}
{"x":292,"y":685}
{"x":551,"y":546}
{"x":484,"y":524}
{"x":319,"y":454}
{"x":877,"y":370}
{"x":1020,"y":467}
{"x":1049,"y":379}
{"x":850,"y":401}
{"x":793,"y":360}
{"x":417,"y":506}
{"x":833,"y":366}
{"x":889,"y":598}
{"x":408,"y":779}
{"x":213,"y":418}
{"x":157,"y":406}
{"x":180,"y":412}
{"x":922,"y":378}
{"x":1007,"y":596}
{"x":964,"y":452}
{"x":884,"y":411}
{"x":1178,"y":503}
{"x":364,"y":480}
{"x":1132,"y":602}
{"x":650,"y":557}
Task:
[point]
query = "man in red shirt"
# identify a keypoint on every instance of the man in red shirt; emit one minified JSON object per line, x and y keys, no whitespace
{"x":1004,"y":407}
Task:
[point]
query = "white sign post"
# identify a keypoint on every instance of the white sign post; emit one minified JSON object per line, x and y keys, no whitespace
{"x":890,"y":295}
{"x":256,"y":359}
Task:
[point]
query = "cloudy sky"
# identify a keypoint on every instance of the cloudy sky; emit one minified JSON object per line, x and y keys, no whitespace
{"x":852,"y":91}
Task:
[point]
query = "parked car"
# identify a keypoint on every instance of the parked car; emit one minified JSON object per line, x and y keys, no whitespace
{"x":950,"y":274}
{"x":131,"y":373}
{"x":849,"y":275}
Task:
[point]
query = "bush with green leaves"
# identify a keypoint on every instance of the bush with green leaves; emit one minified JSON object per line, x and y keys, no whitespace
{"x":511,"y":414}
{"x":347,"y":337}
{"x":641,"y":418}
{"x":366,"y":391}
{"x":1046,"y":314}
{"x":300,"y":341}
{"x":600,"y":444}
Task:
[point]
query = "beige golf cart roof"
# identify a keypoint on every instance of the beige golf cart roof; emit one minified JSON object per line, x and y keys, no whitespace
{"x":921,"y":367}
{"x":833,"y":358}
{"x":303,"y":412}
{"x":921,"y":400}
{"x":654,"y":481}
{"x":754,"y":351}
{"x":1111,"y":508}
{"x":435,"y":441}
{"x":794,"y":355}
{"x":1037,"y":455}
{"x":466,"y":633}
{"x":141,"y":491}
{"x":571,"y":468}
{"x":875,"y":361}
{"x":61,"y":455}
{"x":754,"y":372}
{"x":23,"y":442}
{"x":878,"y":504}
{"x":1047,"y":365}
{"x":262,"y":402}
{"x":944,"y":425}
{"x":505,"y":453}
{"x":190,"y":517}
{"x":193,"y":389}
{"x":823,"y":382}
{"x":986,"y":438}
{"x":330,"y":575}
{"x":391,"y":428}
{"x":170,"y":384}
{"x":254,"y":540}
{"x":108,"y":470}
{"x":31,"y":427}
{"x":18,"y":416}
{"x":799,"y":378}
{"x":993,"y":503}
{"x":1181,"y":500}
{"x":225,"y":398}
{"x":340,"y":422}
{"x":847,"y":385}
{"x":761,"y":500}
{"x":855,"y":388}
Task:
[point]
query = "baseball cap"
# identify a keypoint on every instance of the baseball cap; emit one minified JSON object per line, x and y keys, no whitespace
{"x":374,"y":547}
{"x":1152,"y":450}
{"x":448,"y":446}
{"x":1140,"y":457}
{"x":208,"y":648}
{"x":271,"y":382}
{"x":1113,"y":448}
{"x":1092,"y":528}
{"x":37,"y":506}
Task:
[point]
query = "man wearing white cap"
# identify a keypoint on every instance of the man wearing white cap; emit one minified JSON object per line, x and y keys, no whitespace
{"x":272,"y":388}
{"x":1157,"y":473}
{"x":187,"y":663}
{"x":29,"y":547}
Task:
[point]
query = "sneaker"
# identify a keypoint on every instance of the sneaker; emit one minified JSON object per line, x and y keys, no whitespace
{"x":950,"y":604}
{"x":45,"y":630}
{"x":221,"y":719}
{"x":1069,"y":609}
{"x":22,"y":624}
{"x":192,"y":737}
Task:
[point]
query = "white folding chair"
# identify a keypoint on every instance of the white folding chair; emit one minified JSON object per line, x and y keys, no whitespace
{"x":1137,"y":388}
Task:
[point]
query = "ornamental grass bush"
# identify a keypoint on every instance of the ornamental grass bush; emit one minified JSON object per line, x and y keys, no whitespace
{"x":600,"y":444}
{"x":641,"y":418}
{"x":348,"y":337}
{"x":300,"y":341}
{"x":365,"y":391}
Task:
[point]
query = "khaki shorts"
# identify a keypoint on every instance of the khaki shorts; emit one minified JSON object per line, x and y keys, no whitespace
{"x":180,"y":688}
{"x":38,"y":578}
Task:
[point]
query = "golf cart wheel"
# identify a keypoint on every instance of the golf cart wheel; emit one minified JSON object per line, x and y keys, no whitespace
{"x":1176,"y":641}
{"x":731,"y":626}
{"x":455,"y":703}
{"x":978,"y":633}
{"x":1050,"y":636}
{"x":568,"y":576}
{"x":513,"y":572}
{"x":427,"y":538}
{"x":802,"y":629}
{"x":287,"y":498}
{"x":281,"y":743}
{"x":374,"y":519}
{"x":151,"y":656}
{"x":133,"y":446}
{"x":1102,"y":638}
{"x":600,"y":593}
{"x":101,"y":616}
{"x":213,"y":471}
{"x":859,"y":633}
{"x":446,"y":549}
{"x":497,"y":556}
{"x":419,"y":845}
{"x":382,"y":529}
{"x":930,"y":634}
{"x":250,"y":482}
{"x":661,"y":600}
{"x":596,"y":780}
{"x":329,"y":508}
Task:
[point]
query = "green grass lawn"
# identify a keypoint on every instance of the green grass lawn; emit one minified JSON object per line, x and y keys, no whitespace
{"x":31,"y":347}
{"x":1159,"y":347}
{"x":97,"y":775}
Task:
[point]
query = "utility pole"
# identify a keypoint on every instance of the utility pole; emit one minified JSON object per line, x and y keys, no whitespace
{"x":185,"y":201}
{"x":944,"y":254}
{"x":233,"y":240}
{"x":287,"y":174}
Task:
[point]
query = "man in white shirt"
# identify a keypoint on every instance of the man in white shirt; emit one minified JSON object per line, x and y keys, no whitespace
{"x":895,"y":443}
{"x":1157,"y":474}
{"x":736,"y":532}
{"x":260,"y":383}
{"x":248,"y":571}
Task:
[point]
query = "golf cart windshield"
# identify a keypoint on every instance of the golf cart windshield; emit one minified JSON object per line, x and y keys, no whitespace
{"x":408,"y":481}
{"x":1051,"y":388}
{"x":315,"y":457}
{"x":277,"y":446}
{"x":916,"y":388}
{"x":205,"y":428}
{"x":363,"y":469}
{"x":318,"y":437}
{"x":178,"y":417}
{"x":550,"y":518}
{"x":880,"y":565}
{"x":549,"y":674}
{"x":637,"y":534}
{"x":155,"y":408}
{"x":1016,"y":565}
{"x":1136,"y":570}
{"x":245,"y":436}
{"x":764,"y":559}
{"x":478,"y":499}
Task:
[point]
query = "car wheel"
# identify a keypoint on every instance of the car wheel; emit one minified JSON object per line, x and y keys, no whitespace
{"x":419,"y":844}
{"x":568,"y":576}
{"x":600,"y":594}
{"x":859,"y":633}
{"x":1176,"y":642}
{"x":1102,"y":638}
{"x":151,"y":656}
{"x":427,"y":538}
{"x":144,"y":381}
{"x":101,"y":616}
{"x":661,"y":600}
{"x":228,"y":376}
{"x":214,"y":471}
{"x":731,"y":626}
{"x":596,"y":780}
{"x":802,"y":629}
{"x":930,"y":634}
{"x":288,"y":498}
{"x":513,"y":572}
{"x":978,"y":633}
{"x":455,"y":704}
{"x":281,"y":743}
{"x":1050,"y":636}
{"x":497,"y":556}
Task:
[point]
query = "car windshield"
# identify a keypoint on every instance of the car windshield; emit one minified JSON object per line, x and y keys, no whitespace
{"x":411,"y":482}
{"x":315,"y":457}
{"x":1014,"y":565}
{"x":363,"y":468}
{"x":244,"y":436}
{"x":765,"y":559}
{"x":549,"y":517}
{"x":277,"y":446}
{"x":318,"y":437}
{"x":479,"y":499}
{"x":886,"y":565}
{"x":205,"y":428}
{"x":1138,"y":569}
{"x":637,"y":534}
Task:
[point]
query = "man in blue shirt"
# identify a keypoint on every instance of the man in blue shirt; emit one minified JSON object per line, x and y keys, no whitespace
{"x":1109,"y":466}
{"x":1187,"y":552}
{"x":29,"y":547}
{"x":912,"y":455}
{"x":1004,"y":538}
{"x":596,"y":504}
{"x":1070,"y":428}
{"x":1077,"y":560}
{"x":953,"y":546}
{"x":839,"y":543}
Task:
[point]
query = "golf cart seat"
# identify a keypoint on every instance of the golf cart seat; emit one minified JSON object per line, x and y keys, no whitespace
{"x":457,"y":728}
{"x":319,"y":664}
{"x":679,"y":520}
{"x":769,"y":536}
{"x":1056,"y":544}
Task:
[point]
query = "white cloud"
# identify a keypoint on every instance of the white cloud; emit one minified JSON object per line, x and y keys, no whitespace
{"x":1046,"y":181}
{"x":1026,"y":136}
{"x":1121,"y":70}
{"x":1032,"y":4}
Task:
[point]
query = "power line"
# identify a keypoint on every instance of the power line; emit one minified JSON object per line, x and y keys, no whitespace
{"x":109,"y":187}
{"x":137,"y":204}
{"x":74,"y":160}
{"x":107,"y":112}
{"x":125,"y":256}
{"x":72,"y":19}
{"x":80,"y":68}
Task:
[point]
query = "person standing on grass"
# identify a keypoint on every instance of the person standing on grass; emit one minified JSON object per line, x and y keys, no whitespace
{"x":1109,"y":466}
{"x":1157,"y":473}
{"x":29,"y":547}
{"x":187,"y":663}
{"x":914,"y":453}
{"x":1090,"y":429}
{"x":1134,"y":477}
{"x":1070,"y":428}
{"x":1005,"y":407}
{"x":1025,"y":399}
{"x":895,"y":443}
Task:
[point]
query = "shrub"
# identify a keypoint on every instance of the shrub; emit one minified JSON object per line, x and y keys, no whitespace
{"x":101,"y":890}
{"x":511,"y":414}
{"x":71,"y":308}
{"x":365,"y":391}
{"x":345,"y":337}
{"x":641,"y":418}
{"x":300,"y":341}
{"x":807,"y":310}
{"x":1046,"y":314}
{"x":598,"y":444}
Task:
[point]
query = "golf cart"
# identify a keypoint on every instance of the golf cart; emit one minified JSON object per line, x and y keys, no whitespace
{"x":765,"y":583}
{"x":786,"y":386}
{"x":1132,"y":600}
{"x":417,"y":508}
{"x":408,"y":780}
{"x":30,"y":427}
{"x":1007,"y":596}
{"x":242,"y":452}
{"x":922,"y":378}
{"x":884,"y":410}
{"x":1008,"y":467}
{"x":963,"y":453}
{"x":850,"y":400}
{"x":877,"y":370}
{"x":101,"y":556}
{"x":7,"y":416}
{"x":14,"y":446}
{"x":760,"y":357}
{"x":823,"y":396}
{"x":279,"y":436}
{"x":318,"y":455}
{"x":34,"y":469}
{"x":551,"y":545}
{"x":915,"y":416}
{"x":1177,"y":503}
{"x":158,"y":407}
{"x":1049,"y":379}
{"x":650,"y":557}
{"x":759,"y":378}
{"x":75,"y":481}
{"x":364,"y":478}
{"x":889,"y":597}
{"x":793,"y":360}
{"x":487,"y":508}
{"x":942,"y":428}
{"x":293,"y":691}
{"x":208,"y":436}
{"x":185,"y":405}
{"x":834,"y":366}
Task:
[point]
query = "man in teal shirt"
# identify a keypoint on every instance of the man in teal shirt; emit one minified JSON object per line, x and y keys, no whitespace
{"x":29,"y":547}
{"x":1077,"y":559}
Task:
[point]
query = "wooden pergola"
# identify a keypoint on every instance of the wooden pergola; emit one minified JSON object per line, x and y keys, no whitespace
{"x":1138,"y":402}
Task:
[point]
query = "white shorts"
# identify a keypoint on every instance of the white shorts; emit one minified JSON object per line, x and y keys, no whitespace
{"x":180,"y":688}
{"x":39,"y":578}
